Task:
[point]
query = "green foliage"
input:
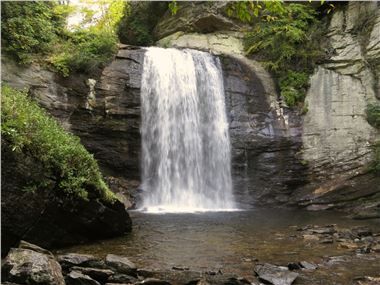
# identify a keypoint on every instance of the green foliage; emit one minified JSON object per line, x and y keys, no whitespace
{"x":111,"y":12}
{"x":27,"y":128}
{"x":36,"y":31}
{"x":173,"y":7}
{"x":83,"y":50}
{"x":280,"y":41}
{"x":285,"y":38}
{"x":293,"y":87}
{"x":140,"y":18}
{"x":373,"y":115}
{"x":29,"y":28}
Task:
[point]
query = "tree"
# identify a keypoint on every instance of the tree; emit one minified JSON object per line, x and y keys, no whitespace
{"x":28,"y":28}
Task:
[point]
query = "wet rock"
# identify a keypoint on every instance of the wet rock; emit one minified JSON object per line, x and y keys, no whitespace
{"x":77,"y":278}
{"x":367,"y":280}
{"x":310,"y":237}
{"x":362,"y":231}
{"x":326,"y":240}
{"x":322,"y":230}
{"x":153,"y":281}
{"x":26,"y":245}
{"x":376,"y":248}
{"x":294,"y":266}
{"x":144,"y":272}
{"x":348,"y":245}
{"x":276,"y":275}
{"x":180,"y":268}
{"x":363,"y":250}
{"x":26,"y":266}
{"x":121,"y":264}
{"x":308,"y":265}
{"x":82,"y":260}
{"x":236,"y":281}
{"x":122,"y":278}
{"x":100,"y":275}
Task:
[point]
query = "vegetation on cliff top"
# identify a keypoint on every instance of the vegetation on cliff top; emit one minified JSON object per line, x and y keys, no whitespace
{"x":27,"y":128}
{"x":37,"y":31}
{"x":284,"y":37}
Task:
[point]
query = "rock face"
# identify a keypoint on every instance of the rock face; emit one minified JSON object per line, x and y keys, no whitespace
{"x":192,"y":17}
{"x":279,"y":156}
{"x":336,"y":137}
{"x":46,"y":216}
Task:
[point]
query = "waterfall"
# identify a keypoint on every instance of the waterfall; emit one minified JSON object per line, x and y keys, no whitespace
{"x":186,"y":163}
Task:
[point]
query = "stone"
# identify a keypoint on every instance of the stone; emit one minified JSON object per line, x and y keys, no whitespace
{"x":322,"y":230}
{"x":362,"y":231}
{"x":153,"y":281}
{"x":294,"y":266}
{"x":77,"y":259}
{"x":196,"y":17}
{"x":180,"y":268}
{"x":348,"y":245}
{"x":144,"y":272}
{"x":100,"y":275}
{"x":77,"y":278}
{"x":310,"y":237}
{"x":308,"y":265}
{"x":276,"y":275}
{"x":122,"y":278}
{"x":121,"y":264}
{"x":375,"y":248}
{"x":26,"y":245}
{"x":26,"y":266}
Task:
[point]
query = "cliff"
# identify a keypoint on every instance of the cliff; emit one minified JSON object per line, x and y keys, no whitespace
{"x":317,"y":160}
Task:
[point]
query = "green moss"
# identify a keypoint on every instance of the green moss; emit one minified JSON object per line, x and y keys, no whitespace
{"x":27,"y":128}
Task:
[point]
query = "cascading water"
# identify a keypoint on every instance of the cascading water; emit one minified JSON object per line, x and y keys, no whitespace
{"x":185,"y":143}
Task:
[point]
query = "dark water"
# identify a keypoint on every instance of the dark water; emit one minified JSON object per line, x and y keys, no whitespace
{"x":232,"y":242}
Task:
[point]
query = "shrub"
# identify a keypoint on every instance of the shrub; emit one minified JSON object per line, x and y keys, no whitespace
{"x":83,"y":51}
{"x":136,"y":27}
{"x":28,"y":28}
{"x":293,"y":87}
{"x":285,"y":38}
{"x":376,"y":163}
{"x":373,"y":115}
{"x":27,"y":128}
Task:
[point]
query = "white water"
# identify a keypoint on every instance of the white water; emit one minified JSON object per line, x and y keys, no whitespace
{"x":186,"y":163}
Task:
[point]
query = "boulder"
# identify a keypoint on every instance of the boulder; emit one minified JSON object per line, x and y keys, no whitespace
{"x":276,"y":275}
{"x":308,"y":265}
{"x":153,"y":281}
{"x":121,"y":264}
{"x":77,"y":259}
{"x":196,"y":17}
{"x":77,"y":278}
{"x":48,"y":217}
{"x":100,"y":275}
{"x":122,"y":278}
{"x":26,"y":266}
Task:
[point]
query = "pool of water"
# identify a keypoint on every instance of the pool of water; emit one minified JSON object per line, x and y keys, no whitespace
{"x":234,"y":241}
